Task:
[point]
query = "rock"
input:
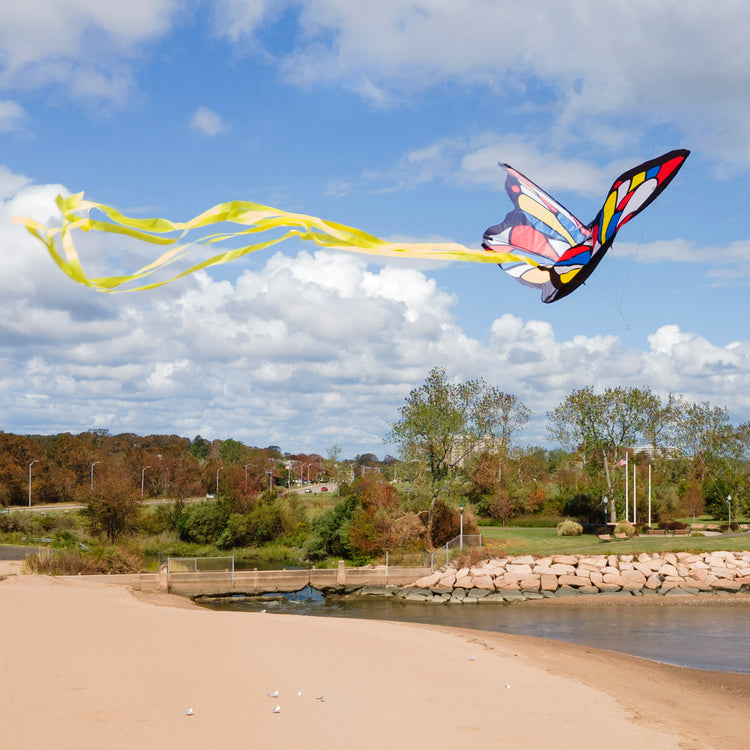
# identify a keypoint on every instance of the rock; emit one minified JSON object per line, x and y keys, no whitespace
{"x":523,"y":569}
{"x":523,"y":560}
{"x":448,"y":580}
{"x":618,"y":580}
{"x":484,"y":582}
{"x":548,"y":582}
{"x":572,"y":581}
{"x":478,"y":593}
{"x":464,"y":582}
{"x":565,"y":559}
{"x":496,"y":598}
{"x":724,"y":584}
{"x":507,"y":586}
{"x":513,"y":596}
{"x":530,"y":583}
{"x":608,"y":587}
{"x":562,"y":568}
{"x":428,"y":581}
{"x":566,"y":591}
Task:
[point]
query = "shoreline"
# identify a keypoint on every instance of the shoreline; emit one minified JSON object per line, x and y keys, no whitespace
{"x":91,"y":664}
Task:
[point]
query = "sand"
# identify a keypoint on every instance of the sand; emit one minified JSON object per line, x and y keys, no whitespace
{"x":91,"y":665}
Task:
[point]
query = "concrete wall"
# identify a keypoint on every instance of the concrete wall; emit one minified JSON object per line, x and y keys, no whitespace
{"x":266,"y":581}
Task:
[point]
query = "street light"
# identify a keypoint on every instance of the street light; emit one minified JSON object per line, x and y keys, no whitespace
{"x":729,"y":505}
{"x":35,"y":461}
{"x":143,"y":477}
{"x":461,"y":537}
{"x":92,"y":474}
{"x":217,"y":478}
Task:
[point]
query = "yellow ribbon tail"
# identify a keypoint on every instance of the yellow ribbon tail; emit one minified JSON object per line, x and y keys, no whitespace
{"x":255,"y":219}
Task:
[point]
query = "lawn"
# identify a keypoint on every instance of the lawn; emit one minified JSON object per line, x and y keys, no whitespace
{"x":540,"y":542}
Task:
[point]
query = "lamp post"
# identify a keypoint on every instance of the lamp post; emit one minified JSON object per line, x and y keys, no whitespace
{"x":35,"y":461}
{"x":217,"y":478}
{"x":92,"y":474}
{"x":461,"y":536}
{"x":143,"y":477}
{"x":729,"y":505}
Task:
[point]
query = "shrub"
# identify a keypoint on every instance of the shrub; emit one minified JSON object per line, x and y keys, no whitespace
{"x":569,"y":528}
{"x":203,"y":523}
{"x":625,"y":527}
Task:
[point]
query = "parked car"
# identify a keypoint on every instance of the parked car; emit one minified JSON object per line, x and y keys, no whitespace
{"x":324,"y":489}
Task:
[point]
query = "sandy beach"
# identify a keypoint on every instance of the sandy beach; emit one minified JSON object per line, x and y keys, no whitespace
{"x":93,"y":665}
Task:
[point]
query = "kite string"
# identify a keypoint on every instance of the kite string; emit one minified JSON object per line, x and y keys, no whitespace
{"x":255,"y":217}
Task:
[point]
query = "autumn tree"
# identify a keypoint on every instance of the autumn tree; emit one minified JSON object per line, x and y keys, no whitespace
{"x":113,"y":507}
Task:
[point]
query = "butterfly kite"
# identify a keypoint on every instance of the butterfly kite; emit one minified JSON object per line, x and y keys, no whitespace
{"x":540,"y":243}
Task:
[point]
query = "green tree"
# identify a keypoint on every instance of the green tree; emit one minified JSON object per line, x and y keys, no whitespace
{"x":443,"y":423}
{"x":601,"y":425}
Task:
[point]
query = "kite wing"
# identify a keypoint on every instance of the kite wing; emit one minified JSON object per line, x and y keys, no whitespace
{"x":557,"y":253}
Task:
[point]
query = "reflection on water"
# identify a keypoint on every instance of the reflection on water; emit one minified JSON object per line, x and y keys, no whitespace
{"x":698,"y":636}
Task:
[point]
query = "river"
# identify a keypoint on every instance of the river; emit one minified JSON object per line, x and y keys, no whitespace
{"x":700,"y":636}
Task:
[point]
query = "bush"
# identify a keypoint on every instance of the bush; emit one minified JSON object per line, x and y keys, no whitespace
{"x":625,"y":527}
{"x":203,"y":523}
{"x":569,"y":528}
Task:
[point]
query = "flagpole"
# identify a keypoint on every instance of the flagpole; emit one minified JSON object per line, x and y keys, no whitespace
{"x":635,"y":502}
{"x":627,"y":510}
{"x":649,"y":496}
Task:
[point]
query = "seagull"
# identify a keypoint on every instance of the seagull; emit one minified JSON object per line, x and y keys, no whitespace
{"x":274,"y":694}
{"x":322,"y":699}
{"x":189,"y":712}
{"x":277,"y":710}
{"x":471,"y":658}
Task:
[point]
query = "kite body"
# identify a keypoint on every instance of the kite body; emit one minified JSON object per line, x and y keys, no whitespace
{"x":553,"y":250}
{"x":540,"y":243}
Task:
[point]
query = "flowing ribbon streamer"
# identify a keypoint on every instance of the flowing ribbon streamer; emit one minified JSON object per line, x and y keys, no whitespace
{"x":254,"y":216}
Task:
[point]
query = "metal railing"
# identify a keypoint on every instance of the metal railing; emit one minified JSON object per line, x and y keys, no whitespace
{"x":456,"y":546}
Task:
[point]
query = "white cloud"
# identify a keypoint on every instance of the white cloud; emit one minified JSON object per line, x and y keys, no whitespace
{"x":84,"y":46}
{"x":12,"y":116}
{"x":208,"y":123}
{"x":608,"y":71}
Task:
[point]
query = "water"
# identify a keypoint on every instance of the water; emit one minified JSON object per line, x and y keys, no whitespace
{"x":691,"y":635}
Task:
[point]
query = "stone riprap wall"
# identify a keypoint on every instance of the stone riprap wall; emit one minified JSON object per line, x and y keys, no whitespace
{"x":518,"y":578}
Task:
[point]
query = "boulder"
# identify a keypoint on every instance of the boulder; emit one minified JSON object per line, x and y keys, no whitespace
{"x":548,"y":582}
{"x":484,"y":582}
{"x":565,"y":559}
{"x":428,"y":581}
{"x":724,"y":584}
{"x":530,"y":583}
{"x":518,"y":569}
{"x":559,"y":568}
{"x":573,"y":581}
{"x":523,"y":560}
{"x":607,"y":586}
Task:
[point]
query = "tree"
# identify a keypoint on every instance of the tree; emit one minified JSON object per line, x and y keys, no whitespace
{"x":599,"y":425}
{"x":443,"y":423}
{"x":112,"y":508}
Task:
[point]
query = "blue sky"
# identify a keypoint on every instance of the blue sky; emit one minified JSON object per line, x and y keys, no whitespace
{"x":391,"y":118}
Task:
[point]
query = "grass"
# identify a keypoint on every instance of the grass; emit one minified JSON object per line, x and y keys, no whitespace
{"x":541,"y":542}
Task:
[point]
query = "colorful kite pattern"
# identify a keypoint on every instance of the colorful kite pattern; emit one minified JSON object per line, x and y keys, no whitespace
{"x":539,"y":243}
{"x":553,"y":250}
